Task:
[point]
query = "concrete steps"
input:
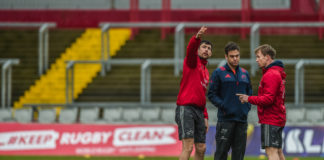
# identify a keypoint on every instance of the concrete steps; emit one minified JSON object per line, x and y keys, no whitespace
{"x":23,"y":44}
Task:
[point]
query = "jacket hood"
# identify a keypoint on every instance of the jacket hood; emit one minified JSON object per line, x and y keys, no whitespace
{"x":276,"y":65}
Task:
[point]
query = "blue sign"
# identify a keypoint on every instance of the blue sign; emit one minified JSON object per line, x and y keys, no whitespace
{"x":297,"y":141}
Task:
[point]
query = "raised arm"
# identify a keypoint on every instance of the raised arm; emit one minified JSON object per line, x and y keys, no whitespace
{"x":193,"y":46}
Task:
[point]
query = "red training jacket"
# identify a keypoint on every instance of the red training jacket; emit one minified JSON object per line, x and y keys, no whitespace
{"x":271,"y":96}
{"x":195,"y":77}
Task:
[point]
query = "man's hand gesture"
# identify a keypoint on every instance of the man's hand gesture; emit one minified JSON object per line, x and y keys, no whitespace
{"x":201,"y":32}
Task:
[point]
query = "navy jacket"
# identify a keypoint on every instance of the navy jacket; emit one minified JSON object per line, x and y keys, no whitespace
{"x":223,"y":87}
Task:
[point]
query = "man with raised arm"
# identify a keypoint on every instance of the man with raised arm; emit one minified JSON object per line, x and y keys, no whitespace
{"x":191,"y":113}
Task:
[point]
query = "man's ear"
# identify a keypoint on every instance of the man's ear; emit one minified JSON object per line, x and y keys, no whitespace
{"x":268,"y":57}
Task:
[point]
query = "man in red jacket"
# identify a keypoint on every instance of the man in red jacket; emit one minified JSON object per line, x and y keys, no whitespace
{"x":270,"y":101}
{"x":191,"y":114}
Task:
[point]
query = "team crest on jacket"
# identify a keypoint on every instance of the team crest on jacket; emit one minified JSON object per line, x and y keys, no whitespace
{"x":204,"y":83}
{"x":243,"y":76}
{"x":228,"y":76}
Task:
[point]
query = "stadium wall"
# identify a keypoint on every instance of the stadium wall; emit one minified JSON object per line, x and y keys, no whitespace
{"x":91,"y":18}
{"x":299,"y":11}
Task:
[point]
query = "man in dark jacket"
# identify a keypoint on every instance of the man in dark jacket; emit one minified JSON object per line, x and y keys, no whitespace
{"x":270,"y":101}
{"x":225,"y":83}
{"x":191,"y":113}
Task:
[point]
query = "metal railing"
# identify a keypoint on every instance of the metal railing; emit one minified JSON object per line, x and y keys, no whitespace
{"x":299,"y":78}
{"x":255,"y":35}
{"x":69,"y":76}
{"x":43,"y":40}
{"x":146,"y":64}
{"x":179,"y":42}
{"x":105,"y":47}
{"x":145,"y":90}
{"x":6,"y":80}
{"x":179,"y":36}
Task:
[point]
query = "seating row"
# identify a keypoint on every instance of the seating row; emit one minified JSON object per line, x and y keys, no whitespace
{"x":139,"y":115}
{"x":90,"y":115}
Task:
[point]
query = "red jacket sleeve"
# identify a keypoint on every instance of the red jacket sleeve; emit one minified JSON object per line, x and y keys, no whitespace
{"x":192,"y":54}
{"x":270,"y":88}
{"x":205,"y":113}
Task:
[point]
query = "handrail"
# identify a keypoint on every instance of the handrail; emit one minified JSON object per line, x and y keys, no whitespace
{"x":299,"y":81}
{"x":255,"y":35}
{"x":179,"y":34}
{"x":147,"y":63}
{"x":299,"y":78}
{"x":43,"y":48}
{"x":254,"y":42}
{"x":43,"y":38}
{"x":26,"y":24}
{"x":69,"y":82}
{"x":146,"y":82}
{"x":105,"y":47}
{"x":179,"y":37}
{"x":6,"y":80}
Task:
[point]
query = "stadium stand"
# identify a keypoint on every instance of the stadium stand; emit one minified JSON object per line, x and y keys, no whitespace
{"x":314,"y":116}
{"x":24,"y":115}
{"x":47,"y":116}
{"x":6,"y":115}
{"x":122,"y":83}
{"x":151,"y":115}
{"x":68,"y":115}
{"x":89,"y":115}
{"x":295,"y":116}
{"x":50,"y":88}
{"x":253,"y":116}
{"x":142,"y":115}
{"x":167,"y":115}
{"x":107,"y":115}
{"x":22,"y":44}
{"x":132,"y":114}
{"x":124,"y":80}
{"x":112,"y":114}
{"x":212,"y":115}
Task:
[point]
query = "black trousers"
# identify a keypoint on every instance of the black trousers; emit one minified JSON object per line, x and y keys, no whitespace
{"x":230,"y":135}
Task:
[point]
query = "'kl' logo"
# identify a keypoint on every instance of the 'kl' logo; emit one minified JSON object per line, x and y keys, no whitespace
{"x":227,"y":76}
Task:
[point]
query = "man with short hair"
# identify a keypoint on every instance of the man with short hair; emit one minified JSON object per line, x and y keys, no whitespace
{"x":225,"y":83}
{"x":270,"y":101}
{"x":191,"y":113}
